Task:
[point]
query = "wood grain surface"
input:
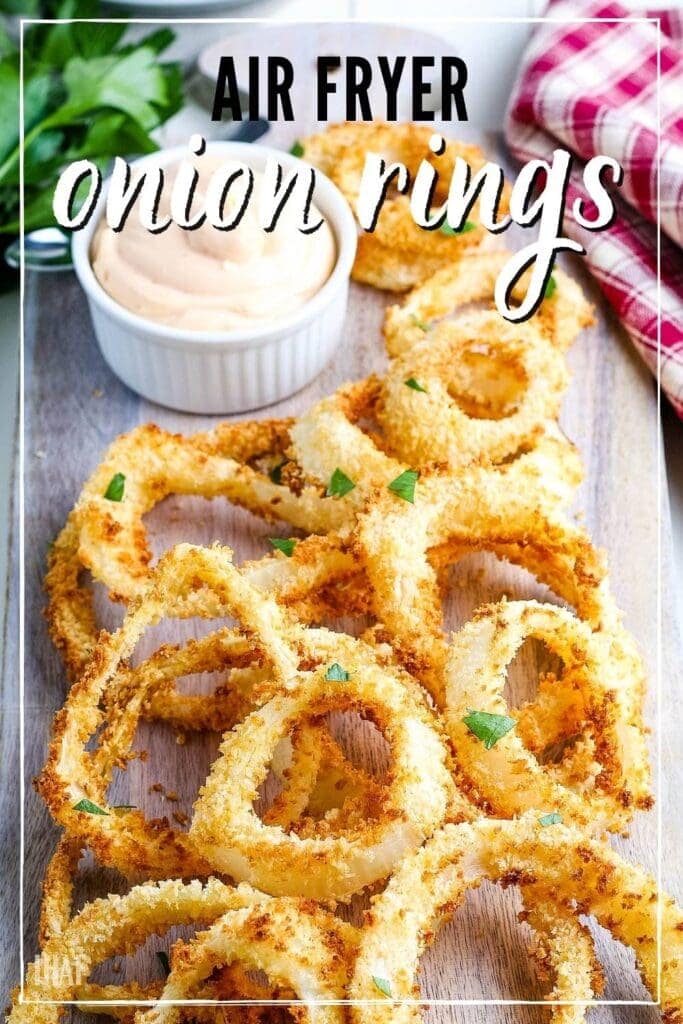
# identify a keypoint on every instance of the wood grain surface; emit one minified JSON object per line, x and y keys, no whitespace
{"x":75,"y":407}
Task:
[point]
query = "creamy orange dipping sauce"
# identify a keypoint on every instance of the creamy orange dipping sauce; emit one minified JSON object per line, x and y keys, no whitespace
{"x":212,"y":280}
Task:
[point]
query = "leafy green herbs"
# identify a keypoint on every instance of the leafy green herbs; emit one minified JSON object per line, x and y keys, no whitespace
{"x":284,"y":544}
{"x":337,"y":674}
{"x":415,"y":385}
{"x":116,"y":487}
{"x":89,"y":807}
{"x":339,"y":485}
{"x":382,"y":985}
{"x":297,"y":149}
{"x":487,"y":727}
{"x":553,"y":818}
{"x":87,"y":95}
{"x":446,"y":229}
{"x":404,"y":485}
{"x":550,"y":287}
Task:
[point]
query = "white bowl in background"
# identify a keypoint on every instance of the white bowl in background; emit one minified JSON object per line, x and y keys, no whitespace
{"x":223,"y":371}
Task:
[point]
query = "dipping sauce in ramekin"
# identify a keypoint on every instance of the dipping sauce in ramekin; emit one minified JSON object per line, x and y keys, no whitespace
{"x":208,"y":279}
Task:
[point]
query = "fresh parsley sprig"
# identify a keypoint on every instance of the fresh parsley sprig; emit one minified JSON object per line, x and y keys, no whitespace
{"x":87,"y":95}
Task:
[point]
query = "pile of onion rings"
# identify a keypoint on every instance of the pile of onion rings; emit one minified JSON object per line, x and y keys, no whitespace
{"x":390,"y":482}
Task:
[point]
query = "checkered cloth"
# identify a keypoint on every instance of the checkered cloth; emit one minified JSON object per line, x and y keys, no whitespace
{"x":592,"y":88}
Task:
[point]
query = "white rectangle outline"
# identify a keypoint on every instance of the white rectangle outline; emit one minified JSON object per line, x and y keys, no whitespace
{"x":659,"y":481}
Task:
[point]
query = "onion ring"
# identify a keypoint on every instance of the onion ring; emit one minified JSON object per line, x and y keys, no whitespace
{"x":294,"y":941}
{"x":622,"y":898}
{"x":560,"y":317}
{"x":227,"y":830}
{"x":494,"y":412}
{"x":113,"y":926}
{"x":507,"y":778}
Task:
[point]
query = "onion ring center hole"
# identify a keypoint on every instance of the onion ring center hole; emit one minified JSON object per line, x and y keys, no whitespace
{"x":186,"y":518}
{"x":143,"y":966}
{"x":484,"y":930}
{"x":350,"y":770}
{"x":486,"y":382}
{"x":532,"y":663}
{"x":473,"y":578}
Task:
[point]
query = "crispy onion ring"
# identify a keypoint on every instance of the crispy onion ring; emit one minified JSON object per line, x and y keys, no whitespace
{"x":113,"y":926}
{"x":396,"y":235}
{"x":298,"y":945}
{"x":128,"y":841}
{"x":417,"y":797}
{"x":560,"y":318}
{"x":508,"y":778}
{"x":622,"y":898}
{"x":489,"y":388}
{"x":483,"y":507}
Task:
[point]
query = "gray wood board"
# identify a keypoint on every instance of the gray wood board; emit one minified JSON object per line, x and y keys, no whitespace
{"x":610,"y":412}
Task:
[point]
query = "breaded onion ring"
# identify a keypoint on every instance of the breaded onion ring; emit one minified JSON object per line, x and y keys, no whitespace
{"x":507,"y":778}
{"x":72,"y":774}
{"x":226,"y":828}
{"x":560,"y":317}
{"x":298,"y":945}
{"x":513,"y":506}
{"x":113,"y":926}
{"x":486,"y":388}
{"x":622,"y":898}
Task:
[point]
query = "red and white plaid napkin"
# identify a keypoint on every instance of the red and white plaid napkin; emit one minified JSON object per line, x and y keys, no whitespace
{"x":591,"y":87}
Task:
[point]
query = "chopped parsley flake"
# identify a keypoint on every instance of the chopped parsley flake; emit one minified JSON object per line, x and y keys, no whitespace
{"x":89,"y":807}
{"x":275,"y":473}
{"x":554,"y":818}
{"x":339,"y":485}
{"x":404,"y":485}
{"x":117,"y":486}
{"x":550,"y":287}
{"x":487,"y":727}
{"x":337,"y":674}
{"x":415,"y":385}
{"x":383,"y":985}
{"x":284,"y":544}
{"x":446,"y":229}
{"x":297,"y":149}
{"x":422,"y":324}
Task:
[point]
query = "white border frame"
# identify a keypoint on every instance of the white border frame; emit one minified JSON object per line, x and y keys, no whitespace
{"x":659,"y":482}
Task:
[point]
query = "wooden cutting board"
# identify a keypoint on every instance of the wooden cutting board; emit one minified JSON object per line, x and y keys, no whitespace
{"x":75,"y":407}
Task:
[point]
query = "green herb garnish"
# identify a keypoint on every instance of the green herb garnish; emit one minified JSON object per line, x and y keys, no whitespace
{"x":404,"y":485}
{"x":487,"y":727}
{"x":88,"y":94}
{"x":337,"y":674}
{"x":383,"y":985}
{"x":339,"y":485}
{"x":162,"y":957}
{"x":284,"y":544}
{"x":89,"y":807}
{"x":446,"y":229}
{"x":554,"y":818}
{"x":117,"y":486}
{"x":275,"y":474}
{"x":550,"y":288}
{"x":422,"y":324}
{"x":415,"y":385}
{"x":297,"y":149}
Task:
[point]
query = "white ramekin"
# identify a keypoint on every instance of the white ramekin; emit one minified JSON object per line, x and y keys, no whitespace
{"x":223,"y":371}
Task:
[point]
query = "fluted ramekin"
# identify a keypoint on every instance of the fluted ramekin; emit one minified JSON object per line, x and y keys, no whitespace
{"x":224,"y":371}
